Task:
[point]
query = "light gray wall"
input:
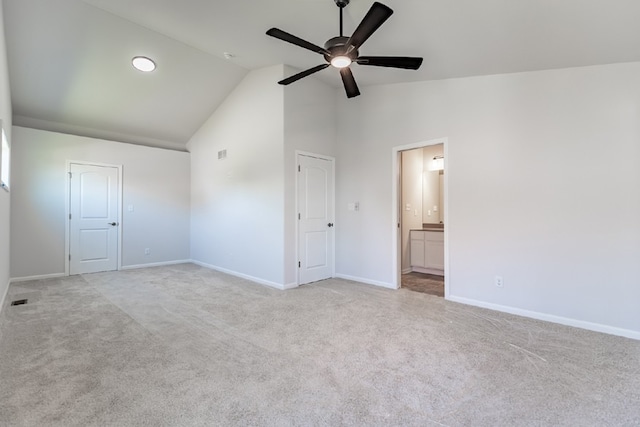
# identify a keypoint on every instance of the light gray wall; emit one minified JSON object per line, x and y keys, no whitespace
{"x":155,"y":181}
{"x":237,"y":204}
{"x":543,"y":188}
{"x":5,"y":118}
{"x":309,"y":126}
{"x":243,"y":207}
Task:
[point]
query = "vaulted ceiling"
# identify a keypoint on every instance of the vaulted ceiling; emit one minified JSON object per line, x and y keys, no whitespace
{"x":70,"y":69}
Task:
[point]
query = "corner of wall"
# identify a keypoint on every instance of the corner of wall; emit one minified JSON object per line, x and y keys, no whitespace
{"x":5,"y":202}
{"x":237,"y":202}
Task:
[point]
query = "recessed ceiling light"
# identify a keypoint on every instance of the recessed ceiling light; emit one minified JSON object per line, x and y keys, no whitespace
{"x":143,"y":63}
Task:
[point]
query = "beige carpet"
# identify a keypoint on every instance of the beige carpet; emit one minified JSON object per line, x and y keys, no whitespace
{"x":187,"y":346}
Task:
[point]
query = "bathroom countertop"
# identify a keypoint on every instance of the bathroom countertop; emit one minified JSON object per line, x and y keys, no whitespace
{"x":428,"y":229}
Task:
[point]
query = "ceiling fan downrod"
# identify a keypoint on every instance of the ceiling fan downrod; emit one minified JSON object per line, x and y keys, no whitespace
{"x":342,"y":51}
{"x":341,"y":4}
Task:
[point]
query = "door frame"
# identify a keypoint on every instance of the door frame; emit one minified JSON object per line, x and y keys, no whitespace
{"x":297,"y":209}
{"x":67,"y":209}
{"x":396,"y":205}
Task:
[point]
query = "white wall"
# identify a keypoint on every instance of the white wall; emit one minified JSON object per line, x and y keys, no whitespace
{"x":243,"y":207}
{"x":237,"y":204}
{"x":5,"y":118}
{"x":543,"y":188}
{"x":155,"y":181}
{"x":309,"y":126}
{"x":412,"y":167}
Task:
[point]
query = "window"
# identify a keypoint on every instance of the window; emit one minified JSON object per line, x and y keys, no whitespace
{"x":4,"y":166}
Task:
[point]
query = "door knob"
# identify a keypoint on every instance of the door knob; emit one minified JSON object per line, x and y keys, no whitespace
{"x":330,"y":224}
{"x":113,"y":223}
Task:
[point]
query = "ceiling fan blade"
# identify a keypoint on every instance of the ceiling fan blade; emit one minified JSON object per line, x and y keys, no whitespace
{"x":290,"y":38}
{"x":406,"y":62}
{"x":369,"y":24}
{"x":349,"y":82}
{"x":302,"y":74}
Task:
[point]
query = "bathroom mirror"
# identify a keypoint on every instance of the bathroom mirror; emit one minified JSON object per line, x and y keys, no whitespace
{"x":433,"y":185}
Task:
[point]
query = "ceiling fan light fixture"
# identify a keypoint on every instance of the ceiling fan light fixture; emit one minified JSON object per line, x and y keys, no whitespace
{"x":341,"y":61}
{"x":144,"y":64}
{"x":341,"y":51}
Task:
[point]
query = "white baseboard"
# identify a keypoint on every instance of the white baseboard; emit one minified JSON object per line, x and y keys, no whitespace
{"x":367,"y":281}
{"x":279,"y":286}
{"x":597,"y":327}
{"x":39,"y":277}
{"x":407,"y":270}
{"x":155,"y":264}
{"x":288,"y":286}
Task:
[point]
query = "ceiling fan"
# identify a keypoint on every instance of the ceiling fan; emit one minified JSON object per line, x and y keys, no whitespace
{"x":341,"y":51}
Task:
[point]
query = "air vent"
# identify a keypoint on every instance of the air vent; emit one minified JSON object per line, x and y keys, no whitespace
{"x":19,"y":302}
{"x":222,"y":154}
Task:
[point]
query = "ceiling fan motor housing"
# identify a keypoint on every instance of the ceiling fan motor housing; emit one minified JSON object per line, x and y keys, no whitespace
{"x":342,"y":51}
{"x":336,"y":46}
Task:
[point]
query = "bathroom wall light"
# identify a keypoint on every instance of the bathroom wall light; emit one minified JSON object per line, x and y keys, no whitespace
{"x":144,"y":64}
{"x":437,"y":164}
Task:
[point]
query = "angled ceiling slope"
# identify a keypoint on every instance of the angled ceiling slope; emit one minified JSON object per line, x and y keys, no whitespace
{"x":70,"y":70}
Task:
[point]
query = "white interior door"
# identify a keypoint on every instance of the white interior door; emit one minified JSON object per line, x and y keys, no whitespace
{"x":93,"y":220}
{"x":315,"y":218}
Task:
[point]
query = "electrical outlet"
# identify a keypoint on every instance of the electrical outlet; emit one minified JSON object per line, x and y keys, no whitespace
{"x":147,"y":251}
{"x":499,"y":281}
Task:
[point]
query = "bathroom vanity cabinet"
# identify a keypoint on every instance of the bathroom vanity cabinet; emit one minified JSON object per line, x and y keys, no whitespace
{"x":427,"y":251}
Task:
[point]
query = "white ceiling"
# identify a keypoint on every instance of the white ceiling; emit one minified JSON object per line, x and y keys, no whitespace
{"x":69,"y":60}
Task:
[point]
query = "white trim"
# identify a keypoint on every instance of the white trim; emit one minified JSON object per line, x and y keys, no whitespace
{"x":315,"y":155}
{"x":4,"y":296}
{"x":288,"y":286}
{"x":597,"y":327}
{"x":5,"y":185}
{"x":67,"y":196}
{"x":156,"y":264}
{"x":275,"y":285}
{"x":407,"y":270}
{"x":299,"y":153}
{"x":395,"y":206}
{"x":366,"y":281}
{"x":38,"y":277}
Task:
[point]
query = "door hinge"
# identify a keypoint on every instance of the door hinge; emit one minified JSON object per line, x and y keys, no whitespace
{"x":69,"y":216}
{"x":70,"y":175}
{"x":298,"y":216}
{"x":298,"y":264}
{"x":69,"y":257}
{"x":298,"y":168}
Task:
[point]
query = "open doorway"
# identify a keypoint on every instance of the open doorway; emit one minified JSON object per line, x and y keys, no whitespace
{"x":421,"y":217}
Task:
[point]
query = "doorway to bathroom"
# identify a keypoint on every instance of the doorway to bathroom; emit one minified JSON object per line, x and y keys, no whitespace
{"x":421,"y":209}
